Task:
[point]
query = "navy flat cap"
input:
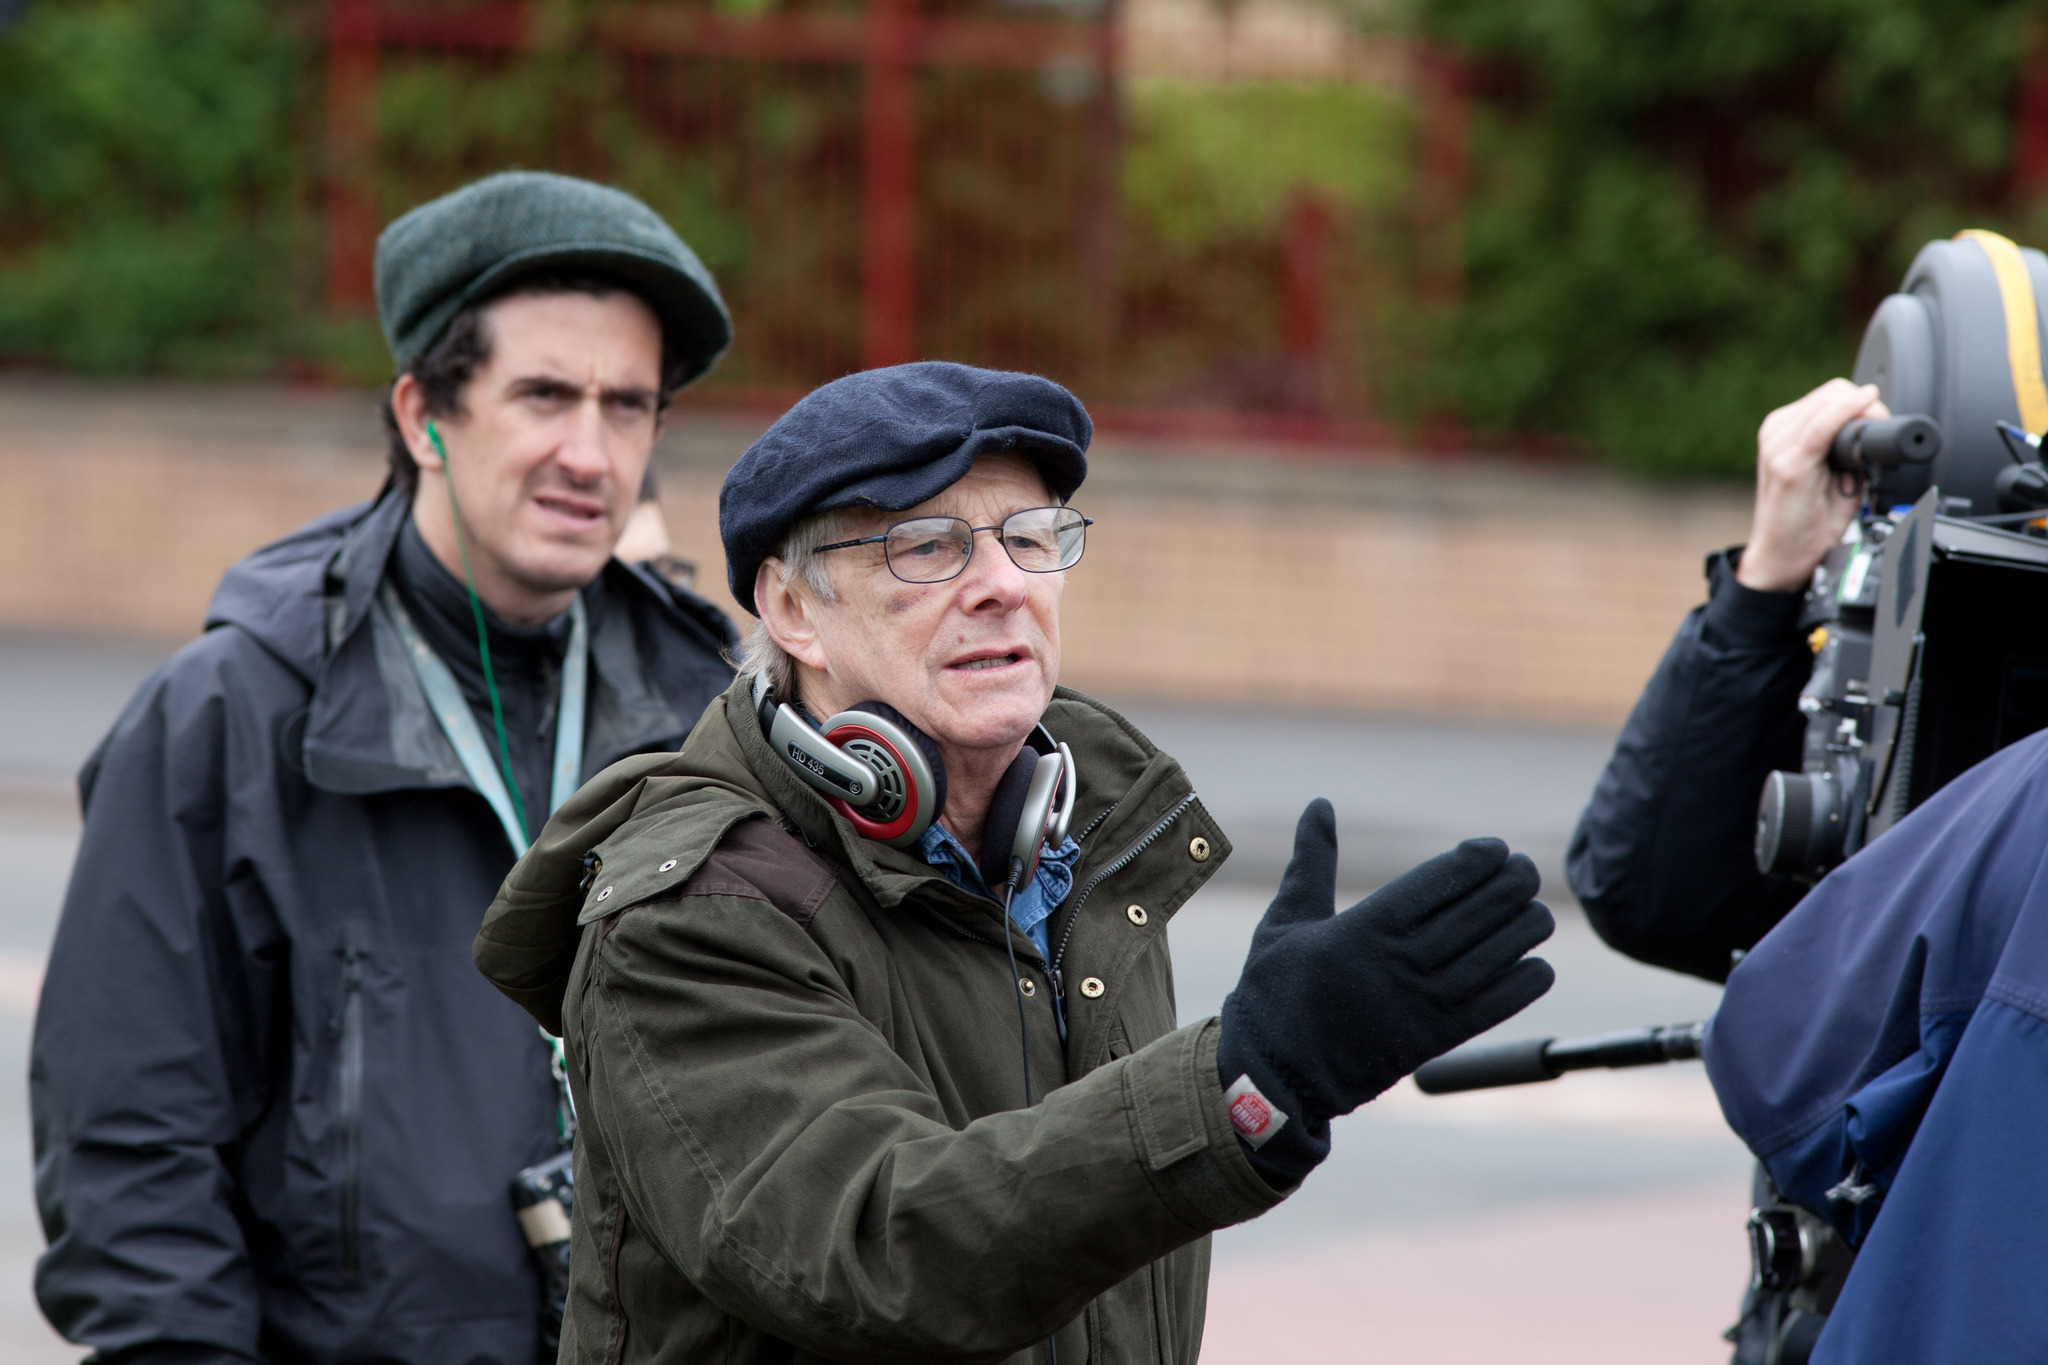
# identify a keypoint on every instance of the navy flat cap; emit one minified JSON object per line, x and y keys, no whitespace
{"x":890,"y":439}
{"x":486,"y":235}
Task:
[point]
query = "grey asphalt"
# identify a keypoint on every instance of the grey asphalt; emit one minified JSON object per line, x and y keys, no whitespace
{"x":57,"y":697}
{"x":1403,"y":789}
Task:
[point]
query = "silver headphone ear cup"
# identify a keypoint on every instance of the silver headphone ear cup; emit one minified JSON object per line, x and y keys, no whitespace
{"x":833,"y":773}
{"x":1070,"y":791}
{"x":1037,"y":817}
{"x":907,"y":801}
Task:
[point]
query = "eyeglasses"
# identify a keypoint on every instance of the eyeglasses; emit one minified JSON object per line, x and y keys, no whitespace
{"x":934,"y":549}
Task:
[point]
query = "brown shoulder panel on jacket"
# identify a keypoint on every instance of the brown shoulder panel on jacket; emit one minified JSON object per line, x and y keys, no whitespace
{"x":761,"y":860}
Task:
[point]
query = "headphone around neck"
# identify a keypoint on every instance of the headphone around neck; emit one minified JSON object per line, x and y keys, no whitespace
{"x":886,"y":777}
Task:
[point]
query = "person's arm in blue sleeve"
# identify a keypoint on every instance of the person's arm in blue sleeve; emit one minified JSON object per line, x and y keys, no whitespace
{"x":1663,"y":858}
{"x":153,"y":1044}
{"x":1884,"y":1052}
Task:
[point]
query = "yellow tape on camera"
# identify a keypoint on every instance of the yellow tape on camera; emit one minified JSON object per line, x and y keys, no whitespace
{"x":2022,"y":340}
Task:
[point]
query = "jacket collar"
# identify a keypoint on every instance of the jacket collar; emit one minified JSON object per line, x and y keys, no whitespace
{"x":646,"y":826}
{"x":1127,"y":787}
{"x":368,"y":725}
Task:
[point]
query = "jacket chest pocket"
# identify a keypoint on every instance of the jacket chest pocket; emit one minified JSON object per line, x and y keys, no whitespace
{"x":1146,"y":1011}
{"x":1134,"y":1029}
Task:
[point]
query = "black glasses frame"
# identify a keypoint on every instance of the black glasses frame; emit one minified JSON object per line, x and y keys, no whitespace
{"x":972,"y":531}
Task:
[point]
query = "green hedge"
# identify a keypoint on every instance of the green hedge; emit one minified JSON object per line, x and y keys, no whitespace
{"x":1682,"y":211}
{"x":146,"y":174}
{"x":1210,"y":170}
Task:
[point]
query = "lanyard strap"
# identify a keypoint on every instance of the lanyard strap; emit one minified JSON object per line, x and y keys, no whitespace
{"x":458,"y":723}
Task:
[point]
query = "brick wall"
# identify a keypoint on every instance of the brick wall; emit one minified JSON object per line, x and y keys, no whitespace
{"x":1460,"y":587}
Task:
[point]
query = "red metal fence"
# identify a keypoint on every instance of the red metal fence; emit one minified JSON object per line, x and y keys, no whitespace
{"x":1021,"y":183}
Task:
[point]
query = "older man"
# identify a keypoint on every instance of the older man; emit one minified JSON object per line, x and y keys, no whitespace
{"x":858,"y":1084}
{"x":277,"y":1115}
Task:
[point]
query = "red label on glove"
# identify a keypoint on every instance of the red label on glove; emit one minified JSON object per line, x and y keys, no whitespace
{"x":1251,"y":1113}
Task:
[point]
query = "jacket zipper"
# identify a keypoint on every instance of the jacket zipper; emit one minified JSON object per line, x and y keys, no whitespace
{"x":351,"y":1112}
{"x":1117,"y":864}
{"x":1096,"y":823}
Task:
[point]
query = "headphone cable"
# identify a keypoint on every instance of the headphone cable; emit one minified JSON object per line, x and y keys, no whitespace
{"x":483,"y":642}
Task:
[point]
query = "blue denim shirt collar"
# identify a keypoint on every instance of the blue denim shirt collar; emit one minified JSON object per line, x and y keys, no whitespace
{"x":1031,"y":908}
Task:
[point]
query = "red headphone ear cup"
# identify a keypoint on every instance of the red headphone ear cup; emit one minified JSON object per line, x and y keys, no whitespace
{"x":908,"y":801}
{"x":919,"y":740}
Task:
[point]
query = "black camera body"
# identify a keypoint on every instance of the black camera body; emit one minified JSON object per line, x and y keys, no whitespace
{"x":1927,"y":660}
{"x":1928,"y":656}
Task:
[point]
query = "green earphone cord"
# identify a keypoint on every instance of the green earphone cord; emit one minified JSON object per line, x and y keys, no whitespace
{"x":483,"y":642}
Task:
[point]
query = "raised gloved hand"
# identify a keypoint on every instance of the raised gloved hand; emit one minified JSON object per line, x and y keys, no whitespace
{"x":1332,"y":1009}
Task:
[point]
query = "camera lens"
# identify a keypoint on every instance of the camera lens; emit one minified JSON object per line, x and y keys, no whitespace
{"x":1799,"y":825}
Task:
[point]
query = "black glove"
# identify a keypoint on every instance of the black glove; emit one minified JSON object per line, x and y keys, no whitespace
{"x":1333,"y":1008}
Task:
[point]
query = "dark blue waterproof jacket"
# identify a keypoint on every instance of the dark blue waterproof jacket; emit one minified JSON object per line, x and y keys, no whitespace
{"x":1664,"y":856}
{"x":277,"y":1111}
{"x":1884,"y":1050}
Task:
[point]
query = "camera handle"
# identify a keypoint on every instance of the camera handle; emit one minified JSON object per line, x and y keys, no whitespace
{"x":1871,"y":445}
{"x":1545,"y":1059}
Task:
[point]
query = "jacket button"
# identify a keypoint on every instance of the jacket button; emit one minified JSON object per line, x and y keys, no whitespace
{"x":1027,"y":985}
{"x":668,"y":866}
{"x":1093,"y":988}
{"x":1198,"y":849}
{"x":1136,"y":915}
{"x":606,"y":892}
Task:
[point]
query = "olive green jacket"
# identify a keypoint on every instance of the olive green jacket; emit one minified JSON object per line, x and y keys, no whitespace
{"x":795,"y":1057}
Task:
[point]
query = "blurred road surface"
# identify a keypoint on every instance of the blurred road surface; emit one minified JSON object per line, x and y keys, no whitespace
{"x":1595,"y":1219}
{"x":57,"y":697}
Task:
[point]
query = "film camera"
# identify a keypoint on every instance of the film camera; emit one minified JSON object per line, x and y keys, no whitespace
{"x":1922,"y":663}
{"x":1926,"y":662}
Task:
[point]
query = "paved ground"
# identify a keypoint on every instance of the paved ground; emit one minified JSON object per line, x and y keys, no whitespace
{"x":1594,"y":1219}
{"x":56,"y":698}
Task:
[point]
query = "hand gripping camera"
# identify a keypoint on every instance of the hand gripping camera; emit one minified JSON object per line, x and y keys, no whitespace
{"x":1925,"y":658}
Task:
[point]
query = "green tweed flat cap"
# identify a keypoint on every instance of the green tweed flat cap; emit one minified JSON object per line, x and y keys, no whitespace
{"x":484,"y":236}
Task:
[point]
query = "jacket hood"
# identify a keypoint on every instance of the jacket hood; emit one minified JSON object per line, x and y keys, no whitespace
{"x":310,"y":600}
{"x":276,"y":593}
{"x":684,"y":803}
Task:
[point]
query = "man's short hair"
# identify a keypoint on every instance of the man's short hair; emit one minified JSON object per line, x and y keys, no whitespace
{"x":443,"y":370}
{"x":759,"y":655}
